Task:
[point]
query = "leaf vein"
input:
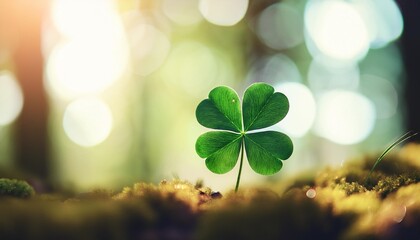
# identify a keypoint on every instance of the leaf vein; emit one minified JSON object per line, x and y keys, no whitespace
{"x":259,"y":145}
{"x":259,"y":113}
{"x":237,"y":128}
{"x":220,"y":149}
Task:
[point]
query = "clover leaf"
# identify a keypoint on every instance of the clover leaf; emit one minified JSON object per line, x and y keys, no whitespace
{"x":262,"y":107}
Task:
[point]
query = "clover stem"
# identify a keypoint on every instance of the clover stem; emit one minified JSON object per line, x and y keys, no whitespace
{"x":240,"y":165}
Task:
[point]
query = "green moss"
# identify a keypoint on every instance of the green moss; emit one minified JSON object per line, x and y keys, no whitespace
{"x":193,"y":195}
{"x":144,"y":211}
{"x":15,"y":188}
{"x":269,"y":216}
{"x":390,"y":184}
{"x":97,"y":193}
{"x":88,"y":219}
{"x":392,"y":173}
{"x":351,"y":187}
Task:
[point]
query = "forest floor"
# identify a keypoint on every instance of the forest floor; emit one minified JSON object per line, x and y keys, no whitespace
{"x":331,"y":204}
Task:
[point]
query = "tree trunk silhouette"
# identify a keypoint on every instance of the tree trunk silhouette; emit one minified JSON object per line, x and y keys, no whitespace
{"x":25,"y":19}
{"x":411,"y":54}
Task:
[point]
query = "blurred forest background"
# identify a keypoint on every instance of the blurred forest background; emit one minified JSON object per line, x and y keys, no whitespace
{"x":102,"y":93}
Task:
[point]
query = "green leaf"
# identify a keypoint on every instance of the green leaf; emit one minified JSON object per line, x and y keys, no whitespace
{"x":262,"y":107}
{"x":265,"y":150}
{"x":222,"y":110}
{"x":221,"y":150}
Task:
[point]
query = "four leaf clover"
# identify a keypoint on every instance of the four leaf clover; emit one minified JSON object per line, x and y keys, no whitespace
{"x":262,"y":107}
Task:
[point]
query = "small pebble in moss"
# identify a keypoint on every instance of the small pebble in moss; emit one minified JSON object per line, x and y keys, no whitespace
{"x":15,"y":188}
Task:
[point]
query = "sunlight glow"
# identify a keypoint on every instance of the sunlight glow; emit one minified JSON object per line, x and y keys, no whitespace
{"x":84,"y":67}
{"x":80,"y":18}
{"x":11,"y":98}
{"x":302,"y":109}
{"x":337,"y":29}
{"x":94,"y":52}
{"x":87,"y":121}
{"x":223,"y":12}
{"x":345,"y":117}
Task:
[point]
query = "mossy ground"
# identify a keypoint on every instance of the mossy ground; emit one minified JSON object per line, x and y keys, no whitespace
{"x":333,"y":204}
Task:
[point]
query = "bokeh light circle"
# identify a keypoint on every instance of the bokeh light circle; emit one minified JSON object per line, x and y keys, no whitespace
{"x":345,"y":117}
{"x":280,"y":26}
{"x":87,"y":121}
{"x":11,"y":98}
{"x":337,"y":29}
{"x":81,"y":67}
{"x":383,"y":18}
{"x":82,"y":18}
{"x":223,"y":12}
{"x":302,"y":111}
{"x":274,"y":70}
